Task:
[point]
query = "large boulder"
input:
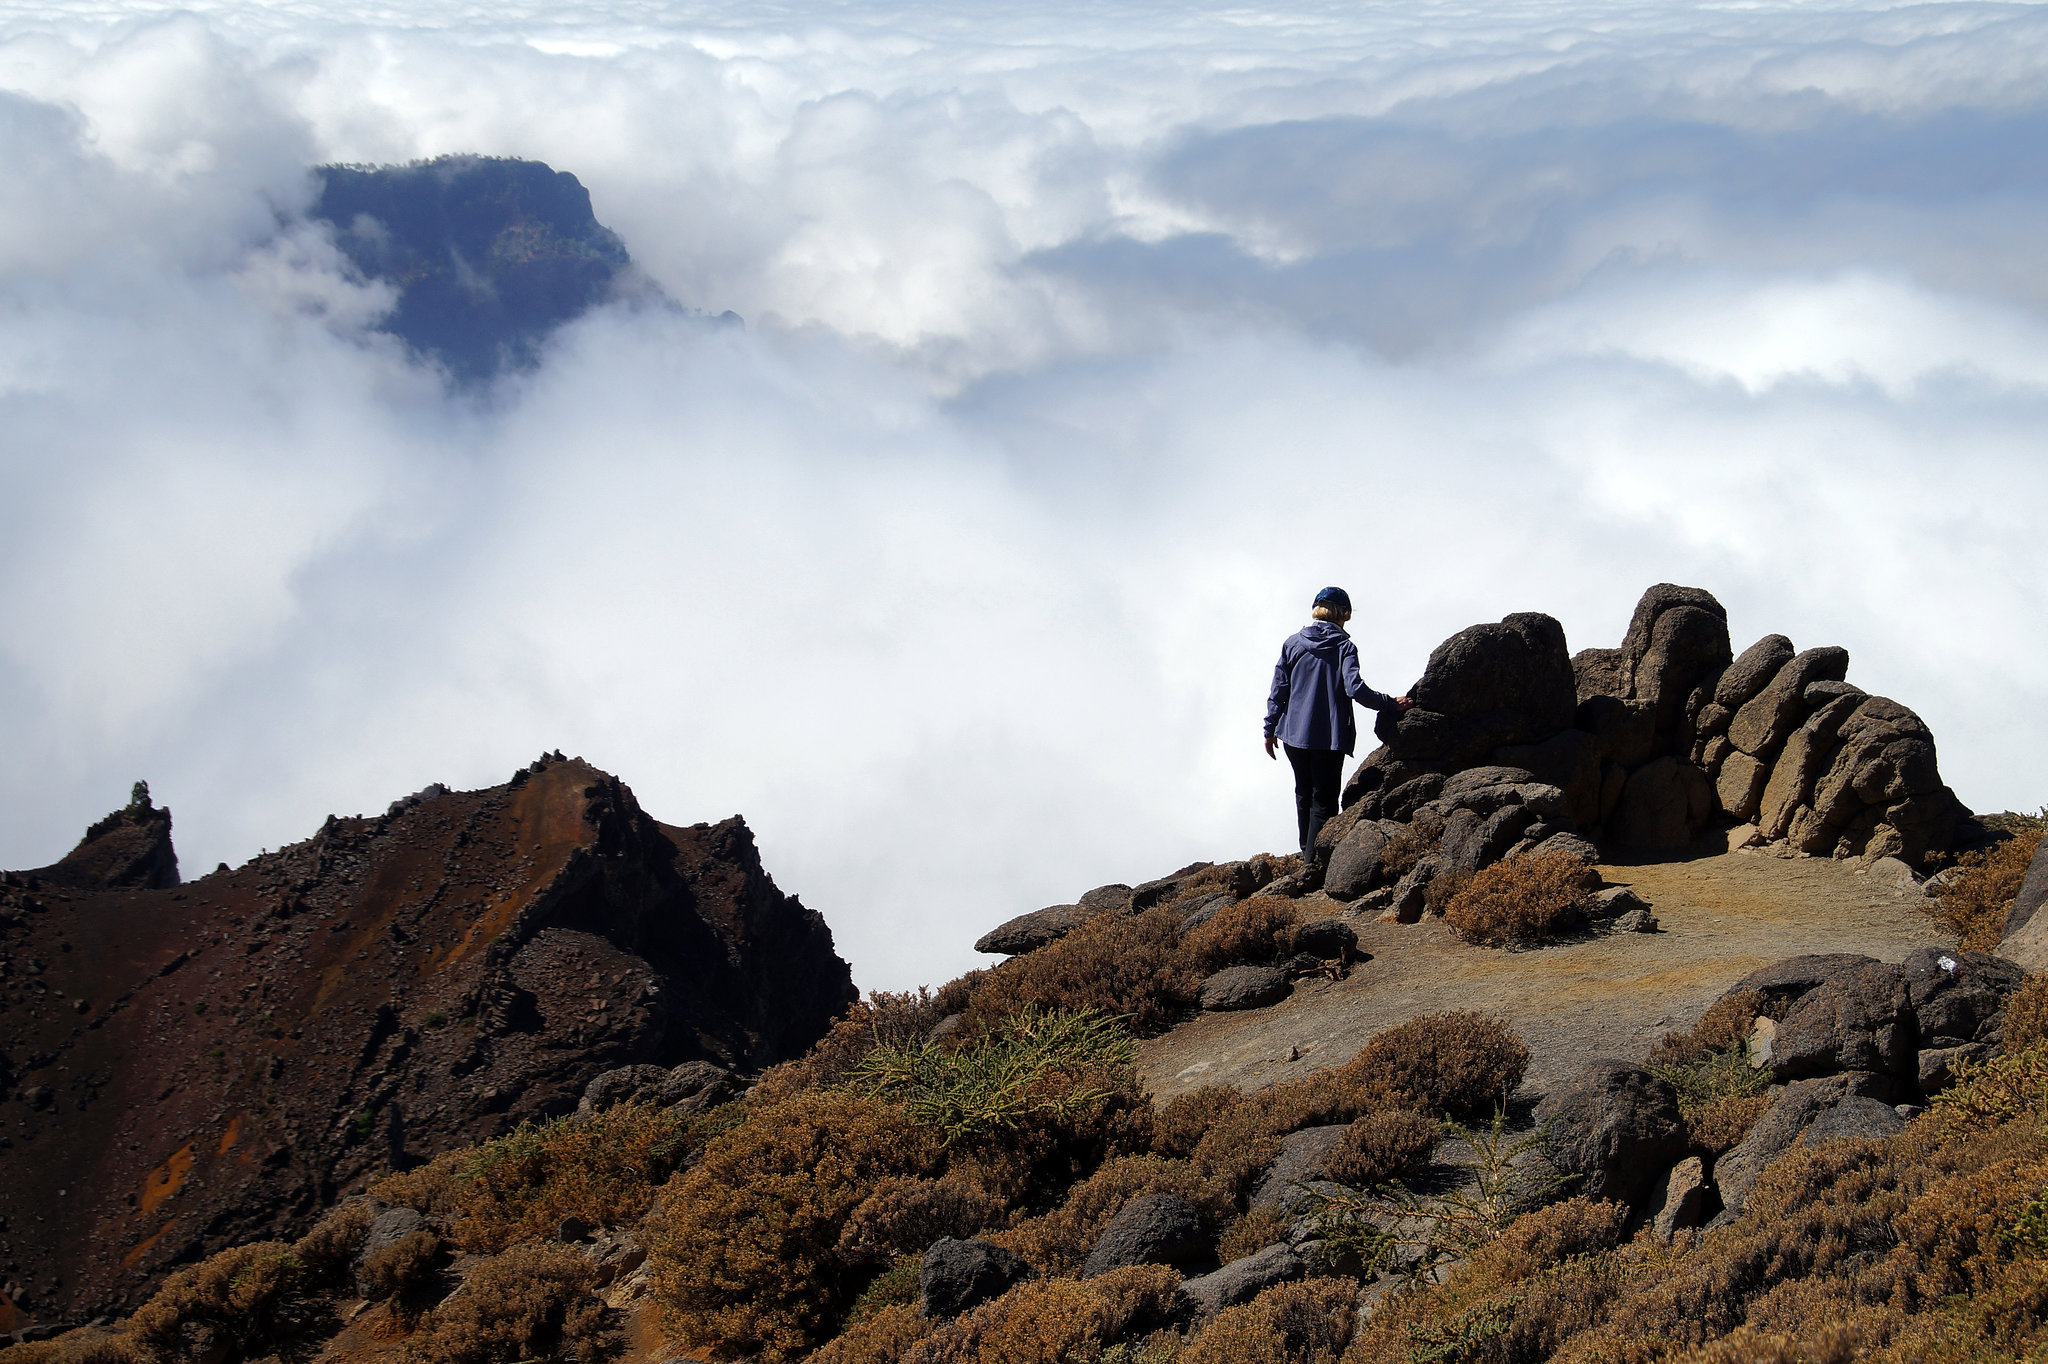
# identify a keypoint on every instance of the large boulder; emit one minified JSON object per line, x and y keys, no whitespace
{"x":1665,"y":804}
{"x":1739,"y":785}
{"x":957,"y":1276}
{"x":1485,"y":687}
{"x":1029,"y":932}
{"x":1861,"y":1020}
{"x":1617,"y":1127}
{"x":1355,"y":862}
{"x":1766,"y":720}
{"x":1569,"y":760}
{"x":1244,"y":987}
{"x":1752,"y":671}
{"x":1958,"y":997}
{"x":1800,"y":764}
{"x":2026,"y":928}
{"x":1796,"y":977}
{"x":1687,"y":644}
{"x":1157,"y":1229}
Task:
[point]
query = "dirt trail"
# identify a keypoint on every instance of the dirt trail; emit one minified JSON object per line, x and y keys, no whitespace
{"x":1721,"y":917}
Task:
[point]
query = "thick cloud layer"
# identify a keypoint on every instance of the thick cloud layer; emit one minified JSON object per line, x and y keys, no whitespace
{"x":1083,"y":346}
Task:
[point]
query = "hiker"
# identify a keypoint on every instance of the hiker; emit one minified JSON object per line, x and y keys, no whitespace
{"x":1309,"y":711}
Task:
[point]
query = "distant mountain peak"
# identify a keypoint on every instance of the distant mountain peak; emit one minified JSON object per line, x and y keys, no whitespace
{"x":489,"y":255}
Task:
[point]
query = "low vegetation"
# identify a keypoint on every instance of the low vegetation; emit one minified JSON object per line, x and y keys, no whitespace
{"x":1978,"y":892}
{"x":1520,"y":899}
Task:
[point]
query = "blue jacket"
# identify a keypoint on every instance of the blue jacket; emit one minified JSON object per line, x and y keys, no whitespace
{"x":1314,"y":684}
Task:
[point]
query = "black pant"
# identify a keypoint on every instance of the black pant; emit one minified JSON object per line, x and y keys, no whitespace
{"x":1318,"y":772}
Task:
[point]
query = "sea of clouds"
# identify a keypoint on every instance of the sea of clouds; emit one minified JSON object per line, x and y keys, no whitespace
{"x":1083,"y":344}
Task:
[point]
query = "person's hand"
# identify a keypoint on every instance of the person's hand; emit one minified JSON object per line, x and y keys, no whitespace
{"x":1271,"y":744}
{"x":1403,"y":704}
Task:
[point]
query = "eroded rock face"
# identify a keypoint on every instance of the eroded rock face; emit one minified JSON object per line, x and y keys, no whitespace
{"x":255,"y":1042}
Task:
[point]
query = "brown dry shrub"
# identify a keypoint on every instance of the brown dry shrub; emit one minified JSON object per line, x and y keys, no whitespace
{"x":1973,"y":906}
{"x":1720,"y":1124}
{"x":248,"y":1302}
{"x":1208,"y":881}
{"x":1058,"y":1241}
{"x":530,"y":1303}
{"x":1122,"y":964}
{"x":432,"y":1190}
{"x":86,"y":1345}
{"x":1721,"y":1029}
{"x":1459,"y":1064}
{"x":1291,"y":1323}
{"x":1182,"y":1121}
{"x":1251,"y":1233}
{"x":1834,"y":1345}
{"x":1381,"y":1145}
{"x":2026,"y":1014}
{"x":1524,"y":898}
{"x":1238,"y":1146}
{"x":907,"y":1214}
{"x":1402,"y":852}
{"x":1055,"y":1321}
{"x":402,"y":1267}
{"x":882,"y":1337}
{"x":884,"y":1018}
{"x":1250,"y":930}
{"x":1536,"y":1241}
{"x":328,"y":1251}
{"x":743,"y":1252}
{"x":1442,"y":889}
{"x":603,"y":1167}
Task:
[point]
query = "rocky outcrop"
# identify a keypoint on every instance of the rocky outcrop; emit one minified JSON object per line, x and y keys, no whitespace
{"x":1648,"y":745}
{"x":2026,"y":928}
{"x":214,"y":1062}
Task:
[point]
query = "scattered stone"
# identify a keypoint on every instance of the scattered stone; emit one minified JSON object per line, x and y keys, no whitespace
{"x":1616,"y":901}
{"x":1158,"y":1229}
{"x":1244,"y":987}
{"x":1744,"y":836}
{"x":957,"y":1276}
{"x":1684,"y":1200}
{"x":1355,"y":863}
{"x":1636,"y":921}
{"x":1325,"y":938}
{"x":1616,"y":1126}
{"x":1243,"y":1279}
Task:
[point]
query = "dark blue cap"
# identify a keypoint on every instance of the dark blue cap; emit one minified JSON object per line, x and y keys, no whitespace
{"x":1336,"y":597}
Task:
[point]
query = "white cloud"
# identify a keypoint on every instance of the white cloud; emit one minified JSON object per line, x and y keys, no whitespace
{"x":1084,"y":345}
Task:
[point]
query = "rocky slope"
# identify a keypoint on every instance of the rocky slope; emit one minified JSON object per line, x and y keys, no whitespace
{"x":193,"y":1066}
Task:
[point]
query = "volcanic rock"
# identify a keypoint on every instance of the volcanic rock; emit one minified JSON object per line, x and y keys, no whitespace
{"x":262,"y":1039}
{"x":1616,"y":1126}
{"x":1244,"y":987}
{"x":957,"y":1276}
{"x":1157,"y":1229}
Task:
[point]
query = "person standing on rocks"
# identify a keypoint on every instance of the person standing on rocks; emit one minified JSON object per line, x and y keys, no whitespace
{"x":1309,"y":710}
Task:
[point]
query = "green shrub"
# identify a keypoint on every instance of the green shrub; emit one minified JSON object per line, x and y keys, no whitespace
{"x":530,"y":1303}
{"x":883,"y":1019}
{"x":1525,"y":898}
{"x":1037,"y":1065}
{"x":744,"y":1252}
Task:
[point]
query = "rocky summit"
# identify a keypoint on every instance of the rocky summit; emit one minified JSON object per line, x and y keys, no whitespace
{"x":192,"y":1066}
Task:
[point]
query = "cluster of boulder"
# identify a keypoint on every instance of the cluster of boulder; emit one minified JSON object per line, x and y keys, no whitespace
{"x":1514,"y":745}
{"x":1852,"y":1047}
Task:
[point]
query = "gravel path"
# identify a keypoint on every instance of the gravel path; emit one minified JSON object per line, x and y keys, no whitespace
{"x":1721,"y":917}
